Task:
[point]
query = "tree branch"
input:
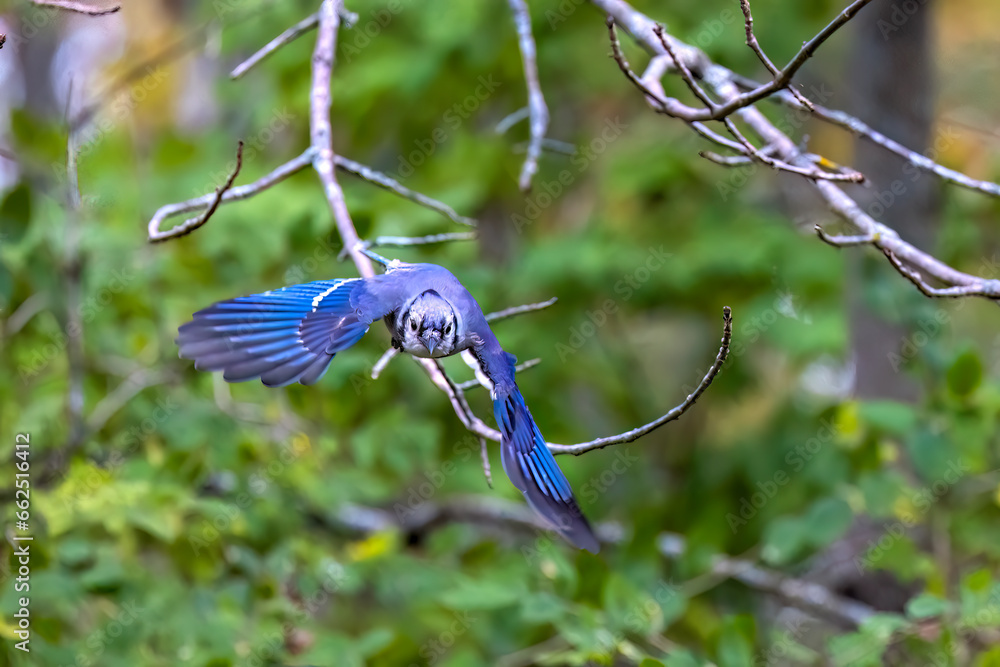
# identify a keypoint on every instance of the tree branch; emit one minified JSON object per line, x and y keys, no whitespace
{"x":723,"y":84}
{"x":493,"y":514}
{"x":537,"y":110}
{"x":671,"y":415}
{"x":300,"y":28}
{"x":392,"y":185}
{"x":78,"y":7}
{"x":192,"y":224}
{"x":519,"y":310}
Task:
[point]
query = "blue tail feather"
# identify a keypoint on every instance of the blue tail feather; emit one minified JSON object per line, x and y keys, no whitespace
{"x":282,"y":336}
{"x":531,"y":467}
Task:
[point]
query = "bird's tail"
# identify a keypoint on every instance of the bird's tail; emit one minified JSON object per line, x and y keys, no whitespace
{"x":531,"y":468}
{"x":281,"y":336}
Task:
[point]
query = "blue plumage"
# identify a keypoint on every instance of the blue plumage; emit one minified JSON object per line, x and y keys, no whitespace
{"x":291,"y":335}
{"x":282,"y":336}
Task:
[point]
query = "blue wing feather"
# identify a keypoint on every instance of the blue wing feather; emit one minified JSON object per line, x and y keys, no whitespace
{"x":282,"y":336}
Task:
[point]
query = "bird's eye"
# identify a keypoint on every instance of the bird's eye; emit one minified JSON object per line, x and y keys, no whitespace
{"x":413,"y":324}
{"x":447,"y":329}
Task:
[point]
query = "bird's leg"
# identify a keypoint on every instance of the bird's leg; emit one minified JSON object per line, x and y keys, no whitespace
{"x":396,"y":344}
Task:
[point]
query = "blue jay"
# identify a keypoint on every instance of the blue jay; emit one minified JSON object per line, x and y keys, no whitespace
{"x":291,"y":335}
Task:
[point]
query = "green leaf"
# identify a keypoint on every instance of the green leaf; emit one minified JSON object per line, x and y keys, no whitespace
{"x":783,"y":539}
{"x":736,"y":642}
{"x":856,"y":649}
{"x":889,"y":416}
{"x":965,"y":374}
{"x":15,"y":214}
{"x":484,"y":594}
{"x":926,"y":605}
{"x":542,"y":607}
{"x":828,"y":519}
{"x":625,"y":604}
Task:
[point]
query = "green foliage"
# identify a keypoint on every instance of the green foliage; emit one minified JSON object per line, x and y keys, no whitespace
{"x":197,"y":522}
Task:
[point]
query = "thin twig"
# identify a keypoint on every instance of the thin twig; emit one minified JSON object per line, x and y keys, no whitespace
{"x":406,"y":241}
{"x":519,"y":310}
{"x":756,"y":48}
{"x":539,"y":112}
{"x":383,"y":361}
{"x":378,"y":178}
{"x":78,"y":7}
{"x":485,"y":456}
{"x":300,"y":28}
{"x":846,"y":241}
{"x":726,"y":160}
{"x":988,"y":289}
{"x":671,"y":415}
{"x":512,"y":119}
{"x":282,"y":172}
{"x":861,"y":129}
{"x":232,"y":194}
{"x":192,"y":224}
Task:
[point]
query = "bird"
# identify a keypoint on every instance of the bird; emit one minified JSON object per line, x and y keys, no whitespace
{"x":292,"y":334}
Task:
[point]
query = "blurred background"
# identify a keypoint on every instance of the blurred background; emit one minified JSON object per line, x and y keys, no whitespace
{"x":849,"y":441}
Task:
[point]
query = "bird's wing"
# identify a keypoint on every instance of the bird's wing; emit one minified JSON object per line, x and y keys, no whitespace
{"x":282,"y":336}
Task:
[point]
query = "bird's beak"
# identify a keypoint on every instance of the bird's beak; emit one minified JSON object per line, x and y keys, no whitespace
{"x":430,"y":341}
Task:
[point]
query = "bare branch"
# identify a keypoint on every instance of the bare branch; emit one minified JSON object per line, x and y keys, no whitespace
{"x":391,"y":184}
{"x":801,"y":593}
{"x":324,"y":160}
{"x":457,"y":398}
{"x":990,"y":288}
{"x":726,"y":87}
{"x":232,"y":194}
{"x":846,"y":241}
{"x":300,"y":28}
{"x":320,"y":101}
{"x":406,"y":241}
{"x":748,"y":148}
{"x":493,"y":513}
{"x":784,"y":77}
{"x":671,"y":415}
{"x":188,"y":226}
{"x":860,"y":129}
{"x":755,"y":47}
{"x":485,"y":456}
{"x":383,"y":361}
{"x":512,"y":119}
{"x":279,"y":174}
{"x":78,"y":7}
{"x":519,"y":310}
{"x":538,"y":111}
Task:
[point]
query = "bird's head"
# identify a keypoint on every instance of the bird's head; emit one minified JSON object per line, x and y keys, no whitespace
{"x":431,"y":324}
